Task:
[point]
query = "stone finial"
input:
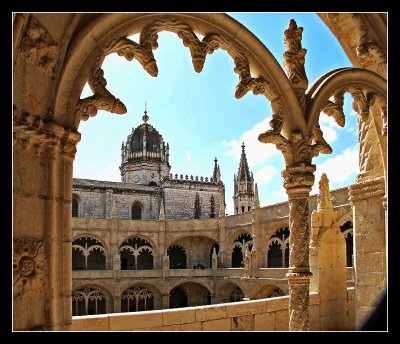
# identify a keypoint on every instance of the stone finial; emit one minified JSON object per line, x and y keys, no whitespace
{"x":256,"y":203}
{"x":324,"y":195}
{"x":114,"y":212}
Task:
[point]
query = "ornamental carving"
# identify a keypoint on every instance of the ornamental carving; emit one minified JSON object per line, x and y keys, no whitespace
{"x":298,"y":179}
{"x":298,"y":306}
{"x":369,"y":53}
{"x":367,"y":189}
{"x":104,"y":100}
{"x":38,"y":46}
{"x":294,"y":60}
{"x":32,"y":132}
{"x":29,"y":267}
{"x":299,"y":233}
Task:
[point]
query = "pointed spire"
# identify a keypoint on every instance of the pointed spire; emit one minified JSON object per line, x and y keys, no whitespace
{"x":114,"y":212}
{"x":216,"y":173}
{"x":324,"y":195}
{"x":244,"y":172}
{"x":161,"y":215}
{"x":256,"y":203}
{"x":145,"y":117}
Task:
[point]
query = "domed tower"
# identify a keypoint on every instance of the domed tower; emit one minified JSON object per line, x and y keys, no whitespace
{"x":243,"y":197}
{"x":144,"y":156}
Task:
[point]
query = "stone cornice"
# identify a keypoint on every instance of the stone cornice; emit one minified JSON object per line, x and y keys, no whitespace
{"x":367,"y":189}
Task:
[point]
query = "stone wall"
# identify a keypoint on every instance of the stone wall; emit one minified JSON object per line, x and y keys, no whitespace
{"x":257,"y":315}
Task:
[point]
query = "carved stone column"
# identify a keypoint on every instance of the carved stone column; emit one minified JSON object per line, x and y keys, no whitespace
{"x":43,"y":156}
{"x":298,"y":180}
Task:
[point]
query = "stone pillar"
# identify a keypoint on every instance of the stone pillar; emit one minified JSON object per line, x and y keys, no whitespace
{"x":369,"y":245}
{"x":298,"y":180}
{"x":117,"y":303}
{"x":165,"y":301}
{"x":42,"y":224}
{"x":328,"y":263}
{"x":222,"y":235}
{"x":114,"y":236}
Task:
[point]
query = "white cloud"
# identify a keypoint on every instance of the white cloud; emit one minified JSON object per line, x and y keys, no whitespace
{"x":264,"y":175}
{"x":256,"y":151}
{"x":329,"y":134}
{"x":280,"y":195}
{"x":189,"y":156}
{"x":340,"y":168}
{"x":111,"y":173}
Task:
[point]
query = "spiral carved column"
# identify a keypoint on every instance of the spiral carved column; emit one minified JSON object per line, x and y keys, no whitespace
{"x":298,"y":180}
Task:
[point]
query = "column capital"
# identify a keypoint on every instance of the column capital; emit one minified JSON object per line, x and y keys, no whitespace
{"x":298,"y":178}
{"x":32,"y":131}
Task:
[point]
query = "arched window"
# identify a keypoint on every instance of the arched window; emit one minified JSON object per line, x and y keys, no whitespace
{"x":136,"y":254}
{"x":88,"y":301}
{"x":347,"y":230}
{"x":137,"y":299}
{"x":136,"y":211}
{"x":75,"y":207}
{"x":88,"y":254}
{"x":152,"y":183}
{"x":242,"y":242}
{"x":278,"y":249}
{"x":242,"y":208}
{"x":177,"y":257}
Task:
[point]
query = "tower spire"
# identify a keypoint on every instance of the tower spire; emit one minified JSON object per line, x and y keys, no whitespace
{"x":145,"y":117}
{"x":256,"y":203}
{"x":243,"y":197}
{"x":216,"y":173}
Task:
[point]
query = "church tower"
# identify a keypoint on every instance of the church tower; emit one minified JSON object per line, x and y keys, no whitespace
{"x":243,"y":197}
{"x":144,"y":156}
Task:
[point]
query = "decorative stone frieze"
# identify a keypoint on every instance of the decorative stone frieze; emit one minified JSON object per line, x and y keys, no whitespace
{"x":29,"y":266}
{"x":38,"y":46}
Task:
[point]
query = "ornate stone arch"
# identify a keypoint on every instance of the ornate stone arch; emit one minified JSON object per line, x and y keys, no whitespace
{"x":234,"y":236}
{"x":368,"y":90}
{"x":108,"y":34}
{"x":95,"y":237}
{"x":141,"y":236}
{"x":269,"y":230}
{"x":92,"y":256}
{"x":141,"y":291}
{"x":85,"y":292}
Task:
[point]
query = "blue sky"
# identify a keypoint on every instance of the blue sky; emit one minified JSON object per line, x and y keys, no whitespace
{"x":198,"y":115}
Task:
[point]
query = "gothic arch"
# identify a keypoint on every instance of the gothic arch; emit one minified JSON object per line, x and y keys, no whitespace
{"x":87,"y":291}
{"x":366,"y":87}
{"x":269,"y":230}
{"x":88,"y":253}
{"x":234,"y":236}
{"x":344,"y":218}
{"x":221,"y":29}
{"x":141,"y":236}
{"x":136,"y":254}
{"x":198,"y":281}
{"x":95,"y":237}
{"x":266,"y":291}
{"x":147,"y":291}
